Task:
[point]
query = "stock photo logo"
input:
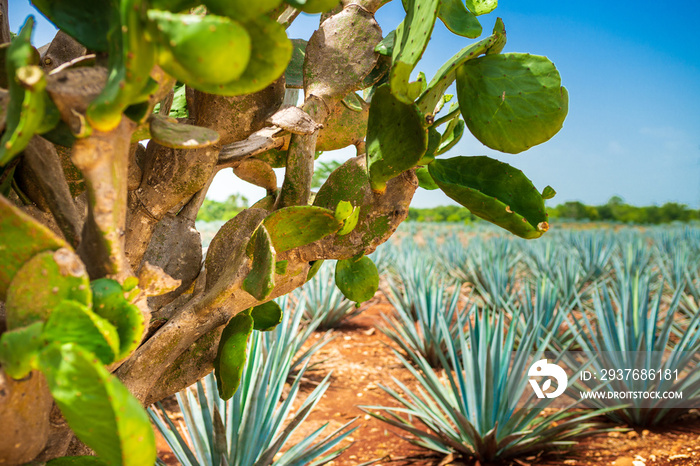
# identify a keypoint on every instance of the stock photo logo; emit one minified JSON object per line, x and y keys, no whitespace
{"x":542,"y":368}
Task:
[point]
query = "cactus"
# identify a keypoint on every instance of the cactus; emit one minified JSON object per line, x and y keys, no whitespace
{"x":266,"y":316}
{"x":19,"y":350}
{"x":296,"y":226}
{"x":42,"y":283}
{"x":396,"y":137}
{"x":313,"y":6}
{"x":481,"y":7}
{"x":425,"y":181}
{"x":131,"y":57}
{"x":196,"y":49}
{"x":257,"y":172}
{"x":515,"y":100}
{"x":445,"y":76}
{"x":167,"y":132}
{"x":27,"y":238}
{"x":231,"y":354}
{"x":87,"y":21}
{"x":494,"y":191}
{"x":81,"y":386}
{"x":459,"y":19}
{"x":358,"y":279}
{"x":261,"y":279}
{"x":109,"y":303}
{"x":294,"y":74}
{"x":25,"y":111}
{"x":73,"y":322}
{"x":270,"y":53}
{"x":241,"y":10}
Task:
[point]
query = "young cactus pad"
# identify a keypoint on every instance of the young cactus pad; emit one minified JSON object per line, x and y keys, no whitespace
{"x":512,"y":101}
{"x":396,"y":137}
{"x":231,"y":355}
{"x":458,"y":19}
{"x":19,"y":349}
{"x":42,"y":283}
{"x":494,"y":191}
{"x":261,"y":279}
{"x":266,"y":316}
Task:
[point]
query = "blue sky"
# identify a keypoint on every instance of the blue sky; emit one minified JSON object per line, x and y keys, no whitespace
{"x":633,"y":73}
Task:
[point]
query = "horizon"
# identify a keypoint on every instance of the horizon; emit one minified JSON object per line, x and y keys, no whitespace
{"x":632,"y":125}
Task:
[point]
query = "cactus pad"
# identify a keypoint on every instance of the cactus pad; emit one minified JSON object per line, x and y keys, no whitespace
{"x":291,"y":227}
{"x":73,"y":322}
{"x":19,"y":349}
{"x":257,"y":172}
{"x":87,"y":21}
{"x":514,"y":100}
{"x":412,"y":38}
{"x":425,"y":181}
{"x":481,"y":7}
{"x":42,"y":283}
{"x":357,"y":279}
{"x":168,"y":132}
{"x":266,"y":316}
{"x":109,"y":303}
{"x":87,"y":393}
{"x":459,"y":19}
{"x":313,"y":6}
{"x":21,"y":238}
{"x":200,"y":49}
{"x":396,"y":137}
{"x":494,"y":191}
{"x":241,"y":10}
{"x":261,"y":279}
{"x":231,"y":354}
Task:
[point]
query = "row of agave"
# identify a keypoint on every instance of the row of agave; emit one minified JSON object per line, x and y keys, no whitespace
{"x":622,"y":299}
{"x":626,"y":299}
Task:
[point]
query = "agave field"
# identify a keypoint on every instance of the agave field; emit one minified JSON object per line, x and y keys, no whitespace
{"x":434,"y":369}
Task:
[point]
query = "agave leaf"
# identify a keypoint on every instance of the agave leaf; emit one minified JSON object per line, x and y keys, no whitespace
{"x":494,"y":191}
{"x":294,"y":75}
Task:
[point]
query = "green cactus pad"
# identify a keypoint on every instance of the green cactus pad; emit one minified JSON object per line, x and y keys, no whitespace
{"x":98,"y":408}
{"x":261,"y":279}
{"x":291,"y":227}
{"x":514,"y":100}
{"x":73,"y":322}
{"x":77,"y":461}
{"x":344,"y":127}
{"x":21,"y":238}
{"x":494,"y":191}
{"x":19,"y":350}
{"x":266,"y":316}
{"x":26,"y":109}
{"x":425,"y":181}
{"x":42,"y":283}
{"x":412,"y":37}
{"x":231,"y":355}
{"x":458,"y":19}
{"x":168,"y":132}
{"x":313,"y":270}
{"x":434,"y":137}
{"x":481,"y":7}
{"x":109,"y":302}
{"x":343,"y":210}
{"x":241,"y":10}
{"x":270,"y":54}
{"x":349,"y":182}
{"x":386,"y":45}
{"x":294,"y":75}
{"x":87,"y":21}
{"x":396,"y":137}
{"x":357,"y":279}
{"x":445,"y":76}
{"x":194,"y":49}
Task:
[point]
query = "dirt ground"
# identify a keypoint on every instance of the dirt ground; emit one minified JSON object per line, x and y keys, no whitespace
{"x":360,"y":358}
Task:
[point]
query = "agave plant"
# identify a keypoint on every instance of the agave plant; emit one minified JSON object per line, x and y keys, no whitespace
{"x":631,"y":332}
{"x":482,"y":406}
{"x":252,"y":427}
{"x":414,"y":324}
{"x":595,"y":250}
{"x":324,"y":305}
